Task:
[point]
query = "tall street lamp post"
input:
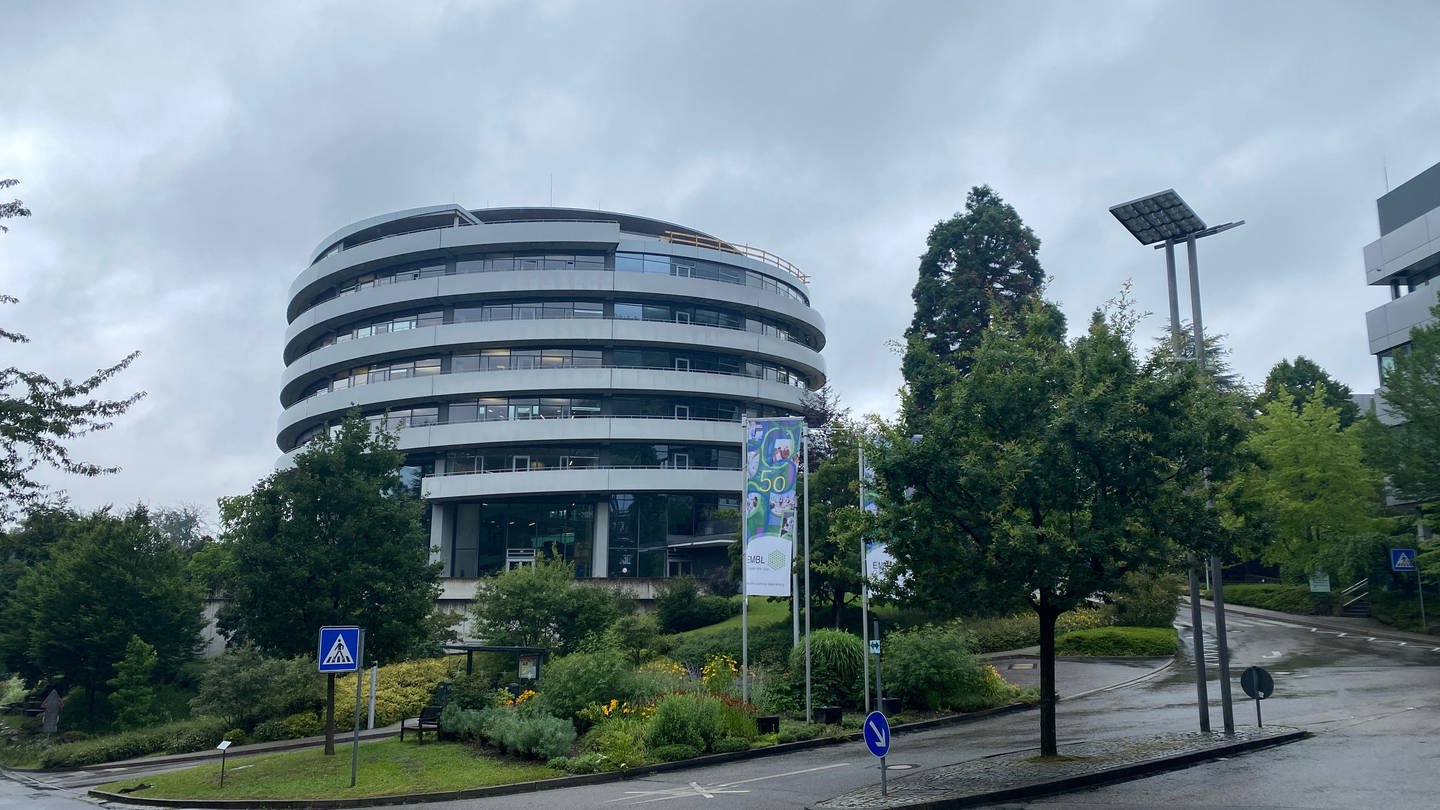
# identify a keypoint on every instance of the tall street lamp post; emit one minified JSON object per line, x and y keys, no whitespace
{"x":1165,"y":220}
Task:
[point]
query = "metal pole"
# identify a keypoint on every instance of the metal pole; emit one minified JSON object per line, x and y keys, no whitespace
{"x":744,"y":582}
{"x":1202,"y":696}
{"x":1217,"y":585}
{"x":355,"y":745}
{"x":864,"y":596}
{"x":805,"y":460}
{"x":1174,"y":299}
{"x":1420,"y":583}
{"x":374,"y":674}
{"x":879,"y":693}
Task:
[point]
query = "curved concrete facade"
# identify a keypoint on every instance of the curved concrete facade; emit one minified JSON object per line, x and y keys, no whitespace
{"x":564,"y":382}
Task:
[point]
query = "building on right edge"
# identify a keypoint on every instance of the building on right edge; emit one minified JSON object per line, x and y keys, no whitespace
{"x":1406,"y":258}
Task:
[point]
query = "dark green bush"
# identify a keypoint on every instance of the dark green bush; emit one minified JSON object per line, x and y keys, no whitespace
{"x":680,"y":606}
{"x":195,"y":734}
{"x":836,"y":662}
{"x":571,"y":683}
{"x":672,"y":753}
{"x":933,"y":668}
{"x":244,"y":687}
{"x":1283,"y":598}
{"x":270,"y":731}
{"x":685,"y":718}
{"x":1147,"y":600}
{"x":769,"y":645}
{"x":726,"y":745}
{"x":1119,"y":641}
{"x":460,"y":722}
{"x":1003,"y":633}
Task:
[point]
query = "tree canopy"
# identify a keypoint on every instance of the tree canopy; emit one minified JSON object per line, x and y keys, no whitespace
{"x":1409,"y":452}
{"x":542,"y":605}
{"x":1036,"y":476}
{"x":333,"y":540}
{"x":1312,"y":480}
{"x":976,"y":264}
{"x":97,"y":581}
{"x":38,"y":415}
{"x":1293,"y":383}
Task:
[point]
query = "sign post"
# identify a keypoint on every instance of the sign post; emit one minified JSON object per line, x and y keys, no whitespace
{"x":1403,"y":559}
{"x":338,"y":652}
{"x":1258,"y":684}
{"x":877,"y":739}
{"x":224,"y":744}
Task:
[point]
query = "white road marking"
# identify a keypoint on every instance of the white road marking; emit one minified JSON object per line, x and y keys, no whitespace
{"x":694,"y":789}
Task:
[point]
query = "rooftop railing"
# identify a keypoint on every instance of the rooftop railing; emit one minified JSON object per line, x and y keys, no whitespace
{"x":683,"y":238}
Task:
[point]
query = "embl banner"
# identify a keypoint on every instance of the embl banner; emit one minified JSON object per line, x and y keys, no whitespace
{"x":772,"y":467}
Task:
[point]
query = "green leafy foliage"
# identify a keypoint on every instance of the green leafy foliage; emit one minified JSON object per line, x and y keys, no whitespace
{"x":933,"y":668}
{"x":976,"y":264}
{"x":99,"y":580}
{"x":680,"y":606}
{"x":836,"y":662}
{"x":182,"y":737}
{"x":133,"y":695}
{"x":1003,"y":633}
{"x":1282,"y":598}
{"x":1147,"y":599}
{"x":1119,"y":641}
{"x":401,"y":689}
{"x":1312,"y":480}
{"x":1293,"y":384}
{"x":684,"y":719}
{"x":571,"y":683}
{"x":524,"y":734}
{"x":244,"y":687}
{"x":334,"y":540}
{"x":542,"y":605}
{"x":1409,"y":452}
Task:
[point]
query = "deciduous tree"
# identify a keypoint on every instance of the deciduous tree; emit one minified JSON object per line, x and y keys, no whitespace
{"x":332,"y":540}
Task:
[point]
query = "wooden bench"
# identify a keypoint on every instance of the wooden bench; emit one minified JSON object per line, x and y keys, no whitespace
{"x":429,"y":718}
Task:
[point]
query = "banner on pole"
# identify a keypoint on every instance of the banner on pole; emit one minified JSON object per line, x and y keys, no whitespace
{"x":772,"y":467}
{"x":878,"y":562}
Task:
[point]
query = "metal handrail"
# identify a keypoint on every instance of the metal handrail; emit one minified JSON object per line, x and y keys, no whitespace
{"x":695,"y":240}
{"x":1364,"y":583}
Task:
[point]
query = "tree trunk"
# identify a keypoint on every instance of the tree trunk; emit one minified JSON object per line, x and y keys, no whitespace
{"x":1047,"y":614}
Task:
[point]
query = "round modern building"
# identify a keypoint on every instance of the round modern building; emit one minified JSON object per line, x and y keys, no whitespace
{"x":565,"y":382}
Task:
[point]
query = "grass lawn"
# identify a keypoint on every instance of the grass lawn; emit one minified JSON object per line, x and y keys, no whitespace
{"x":386,"y":767}
{"x":762,"y":612}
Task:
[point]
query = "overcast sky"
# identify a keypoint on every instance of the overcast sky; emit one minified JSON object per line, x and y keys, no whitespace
{"x":182,"y":160}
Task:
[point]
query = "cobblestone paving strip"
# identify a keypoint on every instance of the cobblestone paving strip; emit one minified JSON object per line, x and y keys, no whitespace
{"x":1080,"y":764}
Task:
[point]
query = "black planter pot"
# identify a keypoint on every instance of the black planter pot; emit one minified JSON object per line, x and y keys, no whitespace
{"x":768,"y":723}
{"x":889,"y":706}
{"x":829,"y":715}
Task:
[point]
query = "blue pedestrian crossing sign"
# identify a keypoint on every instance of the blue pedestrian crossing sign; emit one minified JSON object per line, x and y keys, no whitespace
{"x":339,"y":649}
{"x":877,"y":733}
{"x":1402,"y":559}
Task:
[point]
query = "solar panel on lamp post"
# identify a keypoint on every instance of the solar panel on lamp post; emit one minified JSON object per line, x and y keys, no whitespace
{"x":1166,"y":219}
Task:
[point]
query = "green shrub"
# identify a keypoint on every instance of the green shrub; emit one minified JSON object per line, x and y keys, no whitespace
{"x":460,"y":722}
{"x":537,"y":736}
{"x":836,"y":662}
{"x":1119,"y":641}
{"x":195,"y":734}
{"x":638,"y":635}
{"x":680,"y":606}
{"x":769,"y":645}
{"x":736,"y":720}
{"x":932,"y":668}
{"x":571,"y":683}
{"x":795,"y":732}
{"x":245,"y":687}
{"x":401,"y":689}
{"x":582,"y":764}
{"x":619,"y":741}
{"x":1284,"y":598}
{"x":684,"y":718}
{"x":726,"y":745}
{"x":1003,"y":633}
{"x":133,"y":695}
{"x":270,"y":731}
{"x":475,"y":692}
{"x":1147,"y":600}
{"x":677,"y":751}
{"x":236,"y":736}
{"x":309,"y":724}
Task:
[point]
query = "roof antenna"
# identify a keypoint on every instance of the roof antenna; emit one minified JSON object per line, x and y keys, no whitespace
{"x":1384,"y":167}
{"x":552,"y":189}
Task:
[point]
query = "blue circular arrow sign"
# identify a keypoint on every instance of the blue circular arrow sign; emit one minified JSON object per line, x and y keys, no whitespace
{"x":877,"y":733}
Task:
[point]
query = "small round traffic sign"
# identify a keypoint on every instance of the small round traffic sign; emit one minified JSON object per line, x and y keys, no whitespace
{"x":877,"y":733}
{"x":1257,"y":683}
